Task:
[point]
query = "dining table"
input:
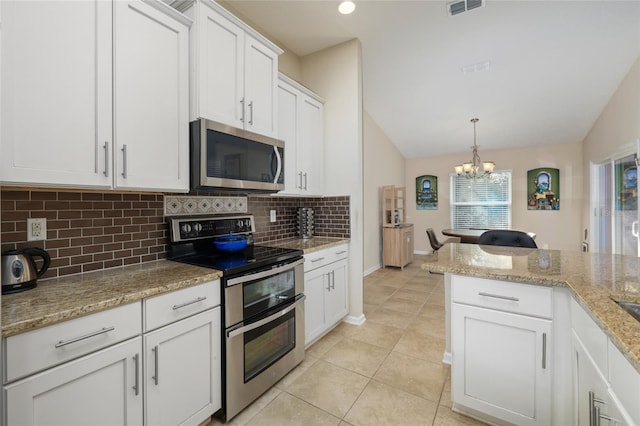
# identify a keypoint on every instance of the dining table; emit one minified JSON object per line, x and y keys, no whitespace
{"x":471,"y":235}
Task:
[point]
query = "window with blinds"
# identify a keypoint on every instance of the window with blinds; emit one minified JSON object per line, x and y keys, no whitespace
{"x":481,"y":203}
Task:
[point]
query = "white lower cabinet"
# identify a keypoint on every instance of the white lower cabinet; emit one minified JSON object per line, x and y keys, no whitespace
{"x":501,"y":364}
{"x":103,"y":388}
{"x":325,"y":283}
{"x":182,"y":371}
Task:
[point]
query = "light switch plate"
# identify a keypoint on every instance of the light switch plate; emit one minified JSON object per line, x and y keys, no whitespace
{"x":36,"y":229}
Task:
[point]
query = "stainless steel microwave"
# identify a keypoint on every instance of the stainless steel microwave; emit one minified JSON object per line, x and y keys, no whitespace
{"x":223,"y":156}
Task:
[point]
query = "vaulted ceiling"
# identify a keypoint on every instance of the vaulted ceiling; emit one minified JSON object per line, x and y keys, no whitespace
{"x":533,"y":72}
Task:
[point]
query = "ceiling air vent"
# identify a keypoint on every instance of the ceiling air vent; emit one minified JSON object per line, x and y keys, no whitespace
{"x":459,"y":7}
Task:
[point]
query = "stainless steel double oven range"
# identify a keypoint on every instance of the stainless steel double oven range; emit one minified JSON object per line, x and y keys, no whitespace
{"x":262,"y":300}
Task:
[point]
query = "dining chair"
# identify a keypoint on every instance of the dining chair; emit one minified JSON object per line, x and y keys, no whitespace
{"x":504,"y":237}
{"x":435,"y":244}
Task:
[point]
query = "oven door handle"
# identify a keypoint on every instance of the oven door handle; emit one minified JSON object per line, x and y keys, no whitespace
{"x":263,"y":274}
{"x":263,"y":321}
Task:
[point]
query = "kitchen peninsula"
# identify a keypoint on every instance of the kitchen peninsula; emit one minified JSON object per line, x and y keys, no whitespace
{"x":536,"y":336}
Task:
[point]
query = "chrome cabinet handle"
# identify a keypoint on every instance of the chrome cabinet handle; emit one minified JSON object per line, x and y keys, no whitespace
{"x":242,"y":115}
{"x":136,"y":384}
{"x":333,"y":280}
{"x":544,"y":351}
{"x":62,"y":343}
{"x":305,"y":181}
{"x":124,"y":161}
{"x":106,"y":159}
{"x":300,"y":176}
{"x":155,"y":367}
{"x":597,"y":416}
{"x":497,"y":296}
{"x":263,"y":321}
{"x":317,"y":260}
{"x":182,"y":305}
{"x":251,"y":113}
{"x":594,"y":411}
{"x":341,"y":252}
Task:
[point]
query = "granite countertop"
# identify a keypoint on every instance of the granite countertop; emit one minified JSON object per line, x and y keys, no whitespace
{"x":594,"y":279}
{"x":64,"y":298}
{"x":308,"y":245}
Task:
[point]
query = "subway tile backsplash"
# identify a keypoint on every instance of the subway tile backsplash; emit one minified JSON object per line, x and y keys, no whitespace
{"x":88,"y":231}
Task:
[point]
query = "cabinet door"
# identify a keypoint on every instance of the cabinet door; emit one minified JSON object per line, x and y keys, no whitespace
{"x":260,"y":88}
{"x":220,"y":68}
{"x":182,"y":371}
{"x":407,"y":245}
{"x":336,"y":295}
{"x":499,"y":366}
{"x":315,"y":283}
{"x":56,"y":93}
{"x":587,"y":379}
{"x":103,"y":388}
{"x":151,"y":98}
{"x":311,"y":146}
{"x":288,"y":99}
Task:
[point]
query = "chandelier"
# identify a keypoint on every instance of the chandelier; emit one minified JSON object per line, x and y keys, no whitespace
{"x":475,"y":168}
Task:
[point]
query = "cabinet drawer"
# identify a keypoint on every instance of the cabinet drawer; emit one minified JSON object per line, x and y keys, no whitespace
{"x":36,"y":350}
{"x":590,"y":334}
{"x":170,"y":307}
{"x":503,"y":296}
{"x":324,"y":257}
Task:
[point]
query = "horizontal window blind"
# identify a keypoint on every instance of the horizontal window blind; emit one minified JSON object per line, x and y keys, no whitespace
{"x":481,"y":203}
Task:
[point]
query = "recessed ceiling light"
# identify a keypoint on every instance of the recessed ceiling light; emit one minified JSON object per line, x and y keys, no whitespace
{"x":346,"y":7}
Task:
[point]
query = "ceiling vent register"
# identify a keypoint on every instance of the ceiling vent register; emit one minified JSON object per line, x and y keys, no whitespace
{"x":459,"y":7}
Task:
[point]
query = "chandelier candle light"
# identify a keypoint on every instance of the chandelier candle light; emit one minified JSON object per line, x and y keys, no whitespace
{"x":472,"y":169}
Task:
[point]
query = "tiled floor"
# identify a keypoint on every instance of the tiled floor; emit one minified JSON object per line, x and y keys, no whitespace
{"x":387,"y":371}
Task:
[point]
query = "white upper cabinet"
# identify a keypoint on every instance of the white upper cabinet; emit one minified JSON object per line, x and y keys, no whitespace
{"x":151,"y":96}
{"x":56,"y":93}
{"x":234,"y":70}
{"x":301,"y":126}
{"x":81,"y":81}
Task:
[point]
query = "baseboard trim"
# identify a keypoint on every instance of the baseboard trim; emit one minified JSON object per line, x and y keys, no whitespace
{"x":359,"y":320}
{"x":371,"y":270}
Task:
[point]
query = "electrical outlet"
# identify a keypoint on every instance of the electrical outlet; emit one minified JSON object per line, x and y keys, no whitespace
{"x":36,"y":229}
{"x":272,"y":215}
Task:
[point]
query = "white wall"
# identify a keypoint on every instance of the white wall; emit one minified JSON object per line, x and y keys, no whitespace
{"x":617,"y":127}
{"x":336,"y":75}
{"x":383,"y":165}
{"x":557,"y":229}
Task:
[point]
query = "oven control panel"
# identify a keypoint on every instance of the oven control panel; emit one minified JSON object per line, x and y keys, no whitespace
{"x":194,"y":228}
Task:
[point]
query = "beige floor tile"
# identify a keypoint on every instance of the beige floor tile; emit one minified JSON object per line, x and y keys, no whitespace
{"x":432,"y":311}
{"x":325,"y":343}
{"x":289,"y":410}
{"x":425,"y":347}
{"x":378,"y":294}
{"x":329,"y":387}
{"x":381,"y":404}
{"x":446,"y":417}
{"x":436,"y":298}
{"x":392,"y":318}
{"x":413,"y":375}
{"x":416,"y":295}
{"x":428,"y":326}
{"x":286,"y":381}
{"x":411,"y":306}
{"x":344,"y":329}
{"x":418,"y":285}
{"x":357,"y":356}
{"x":445,"y":398}
{"x":384,"y":336}
{"x":368,"y":309}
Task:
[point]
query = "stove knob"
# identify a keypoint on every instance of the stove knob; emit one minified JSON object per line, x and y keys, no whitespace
{"x":247,"y":224}
{"x":197,"y":227}
{"x":186,"y":228}
{"x":239,"y":225}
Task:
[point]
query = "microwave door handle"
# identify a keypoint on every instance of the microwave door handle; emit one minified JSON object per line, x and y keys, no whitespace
{"x":279,"y":166}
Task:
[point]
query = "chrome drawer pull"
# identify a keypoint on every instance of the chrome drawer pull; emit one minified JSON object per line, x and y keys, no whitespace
{"x":62,"y":343}
{"x":497,"y":296}
{"x":199,"y":299}
{"x":155,"y":368}
{"x":341,"y":252}
{"x":544,"y":351}
{"x":317,"y":260}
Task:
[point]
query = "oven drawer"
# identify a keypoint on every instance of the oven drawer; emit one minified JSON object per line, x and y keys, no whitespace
{"x":320,"y":258}
{"x":39,"y":349}
{"x":174,"y":306}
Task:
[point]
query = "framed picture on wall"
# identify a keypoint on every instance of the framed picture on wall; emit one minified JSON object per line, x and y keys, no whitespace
{"x":427,"y":192}
{"x":543,"y":189}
